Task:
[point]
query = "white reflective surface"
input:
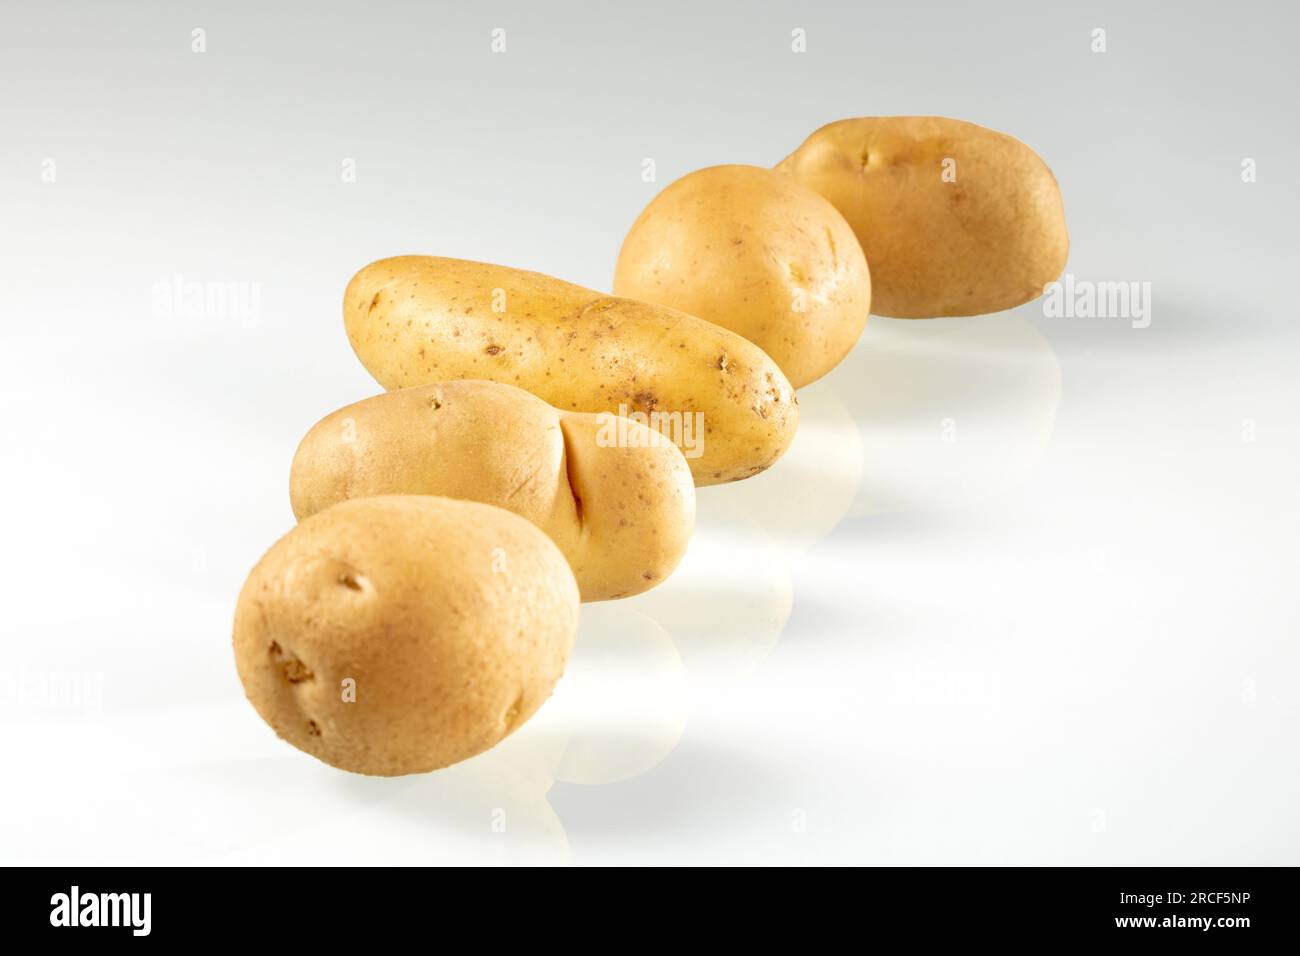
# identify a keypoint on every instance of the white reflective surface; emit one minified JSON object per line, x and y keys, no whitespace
{"x":1023,"y":590}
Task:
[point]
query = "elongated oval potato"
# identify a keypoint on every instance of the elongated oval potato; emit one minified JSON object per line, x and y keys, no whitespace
{"x":758,"y":253}
{"x":403,"y":633}
{"x":616,"y":496}
{"x":416,"y":320}
{"x":955,"y":219}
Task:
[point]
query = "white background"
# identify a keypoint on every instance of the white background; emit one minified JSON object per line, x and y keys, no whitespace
{"x":1067,"y":636}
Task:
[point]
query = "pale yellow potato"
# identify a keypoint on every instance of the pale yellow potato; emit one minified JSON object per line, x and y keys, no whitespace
{"x":955,"y":219}
{"x":403,"y":633}
{"x":416,"y":320}
{"x":615,"y":496}
{"x":757,"y":253}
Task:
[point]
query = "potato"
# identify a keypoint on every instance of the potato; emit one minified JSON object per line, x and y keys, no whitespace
{"x":757,"y":253}
{"x":403,"y":633}
{"x":955,"y":219}
{"x":416,"y":320}
{"x":615,"y":496}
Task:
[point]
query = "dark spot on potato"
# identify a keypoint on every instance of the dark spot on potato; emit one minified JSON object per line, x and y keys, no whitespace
{"x":349,"y":581}
{"x":493,"y":350}
{"x":434,"y":403}
{"x":374,"y":302}
{"x":313,"y":728}
{"x":295,"y":671}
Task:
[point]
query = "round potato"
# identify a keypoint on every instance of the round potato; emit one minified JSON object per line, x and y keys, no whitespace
{"x":400,"y":634}
{"x":616,"y":496}
{"x":417,"y":320}
{"x":955,"y":219}
{"x":759,"y":254}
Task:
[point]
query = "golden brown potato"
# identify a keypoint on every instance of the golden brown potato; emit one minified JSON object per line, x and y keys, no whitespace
{"x":955,"y":219}
{"x":620,"y":507}
{"x":416,"y":320}
{"x":757,"y":253}
{"x":402,"y":633}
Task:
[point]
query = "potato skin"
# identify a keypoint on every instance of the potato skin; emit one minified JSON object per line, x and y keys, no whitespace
{"x":757,"y":253}
{"x":454,"y":619}
{"x":622,"y":514}
{"x":988,"y":241}
{"x":416,"y":320}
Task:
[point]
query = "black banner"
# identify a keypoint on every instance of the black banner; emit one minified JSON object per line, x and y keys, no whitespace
{"x":134,"y":906}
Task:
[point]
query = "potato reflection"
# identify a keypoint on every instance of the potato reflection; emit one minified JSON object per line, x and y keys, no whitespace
{"x":952,"y":412}
{"x":800,"y":499}
{"x":730,"y":598}
{"x":621,"y":705}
